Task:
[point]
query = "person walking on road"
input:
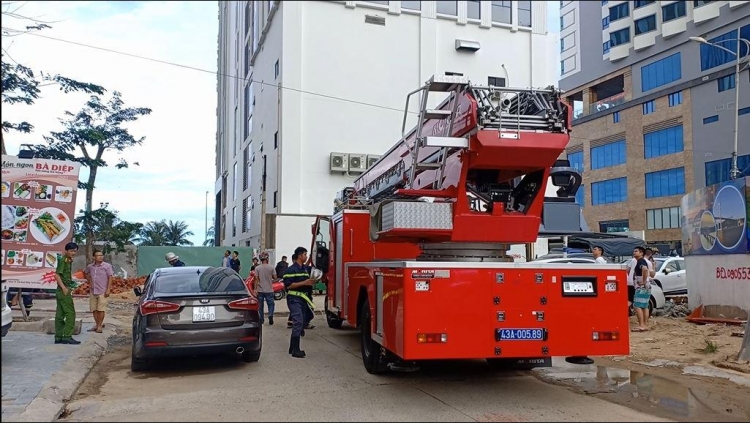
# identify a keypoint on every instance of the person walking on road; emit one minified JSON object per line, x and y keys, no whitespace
{"x":65,"y":315}
{"x":265,"y":274}
{"x":298,"y":283}
{"x":99,"y":275}
{"x":173,"y":260}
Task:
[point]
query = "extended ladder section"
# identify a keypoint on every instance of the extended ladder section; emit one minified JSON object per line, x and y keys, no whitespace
{"x":440,"y":136}
{"x":512,"y":110}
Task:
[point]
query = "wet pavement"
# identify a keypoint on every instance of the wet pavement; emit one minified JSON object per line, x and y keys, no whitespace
{"x":683,"y":398}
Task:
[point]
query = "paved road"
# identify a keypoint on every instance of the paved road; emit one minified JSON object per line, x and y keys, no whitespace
{"x":329,"y":385}
{"x":28,"y":361}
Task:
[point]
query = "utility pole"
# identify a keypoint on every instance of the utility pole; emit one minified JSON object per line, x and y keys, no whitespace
{"x":206,"y":232}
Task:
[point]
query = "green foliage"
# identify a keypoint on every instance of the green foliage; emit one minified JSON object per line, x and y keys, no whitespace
{"x":210,"y":237}
{"x":105,"y":226}
{"x":163,"y":233}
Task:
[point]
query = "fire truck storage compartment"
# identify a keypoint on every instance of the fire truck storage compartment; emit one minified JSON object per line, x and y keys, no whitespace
{"x":438,"y":310}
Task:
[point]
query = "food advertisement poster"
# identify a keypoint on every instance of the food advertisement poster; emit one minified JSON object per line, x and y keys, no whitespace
{"x":38,"y":204}
{"x":715,"y":219}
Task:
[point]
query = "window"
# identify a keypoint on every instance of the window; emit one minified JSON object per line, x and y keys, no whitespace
{"x":576,"y":161}
{"x":378,"y":2}
{"x":249,"y":214}
{"x":646,"y":24}
{"x":276,"y":70}
{"x":743,"y":111}
{"x":616,"y":117}
{"x":581,"y":196}
{"x":661,"y":72}
{"x":620,"y":11}
{"x":710,"y":119}
{"x":275,"y":196}
{"x":473,"y":9}
{"x":604,"y":2}
{"x":610,"y":226}
{"x":619,"y":37}
{"x":666,"y":218}
{"x":606,"y":46}
{"x":244,"y":215}
{"x":411,"y":5}
{"x":701,"y":3}
{"x":234,"y":221}
{"x":605,"y":22}
{"x":249,"y":106}
{"x":608,"y":155}
{"x":448,"y":8}
{"x":524,"y":13}
{"x":665,"y":183}
{"x":495,"y":81}
{"x":726,"y":83}
{"x":249,"y":170}
{"x":717,"y":171}
{"x":234,"y":134}
{"x":609,"y":191}
{"x":568,"y":64}
{"x":673,"y":11}
{"x":256,"y":24}
{"x":234,"y":182}
{"x":641,"y":3}
{"x":245,"y":161}
{"x":712,"y":56}
{"x":248,"y":17}
{"x":675,"y":99}
{"x":663,"y":142}
{"x":501,"y":14}
{"x":649,"y":107}
{"x":276,"y":140}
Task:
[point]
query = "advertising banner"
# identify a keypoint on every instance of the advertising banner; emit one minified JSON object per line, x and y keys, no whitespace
{"x":715,"y":219}
{"x":38,"y":204}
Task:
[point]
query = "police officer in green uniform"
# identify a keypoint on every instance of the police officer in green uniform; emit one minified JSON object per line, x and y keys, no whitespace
{"x":65,"y":316}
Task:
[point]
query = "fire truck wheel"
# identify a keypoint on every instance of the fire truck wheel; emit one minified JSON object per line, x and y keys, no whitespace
{"x":333,"y":321}
{"x":371,"y":355}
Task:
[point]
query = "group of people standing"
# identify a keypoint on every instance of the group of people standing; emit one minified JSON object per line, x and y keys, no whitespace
{"x":298,"y":284}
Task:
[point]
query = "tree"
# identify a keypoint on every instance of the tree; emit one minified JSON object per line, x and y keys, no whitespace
{"x":209,"y":241}
{"x":178,"y":233}
{"x":22,"y":85}
{"x":107,"y":227}
{"x":163,"y":233}
{"x":94,"y":130}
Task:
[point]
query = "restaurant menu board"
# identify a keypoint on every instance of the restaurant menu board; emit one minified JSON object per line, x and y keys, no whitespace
{"x":38,"y":208}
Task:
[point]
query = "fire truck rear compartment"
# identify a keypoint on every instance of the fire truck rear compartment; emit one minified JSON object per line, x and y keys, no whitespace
{"x":437,"y":310}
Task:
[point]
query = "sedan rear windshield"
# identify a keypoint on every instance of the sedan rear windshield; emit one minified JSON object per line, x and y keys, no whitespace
{"x":217,"y":280}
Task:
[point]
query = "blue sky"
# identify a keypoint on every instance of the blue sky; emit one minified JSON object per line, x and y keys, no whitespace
{"x":177,"y":158}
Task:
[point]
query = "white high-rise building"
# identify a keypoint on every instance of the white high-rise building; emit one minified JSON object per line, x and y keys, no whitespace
{"x":302,"y":80}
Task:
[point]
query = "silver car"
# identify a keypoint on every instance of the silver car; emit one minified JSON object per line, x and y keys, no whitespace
{"x":193,"y":311}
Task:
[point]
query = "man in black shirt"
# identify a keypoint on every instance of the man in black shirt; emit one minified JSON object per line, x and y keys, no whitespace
{"x":234,"y":262}
{"x":299,"y":284}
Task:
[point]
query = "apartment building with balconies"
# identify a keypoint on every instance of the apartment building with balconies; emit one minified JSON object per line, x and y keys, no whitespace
{"x":654,"y":111}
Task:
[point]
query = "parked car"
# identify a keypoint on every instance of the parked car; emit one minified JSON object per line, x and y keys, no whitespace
{"x":195,"y":310}
{"x":7,"y":313}
{"x":657,"y":300}
{"x":670,"y":275}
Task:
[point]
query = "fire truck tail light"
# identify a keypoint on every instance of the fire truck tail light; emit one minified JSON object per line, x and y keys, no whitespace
{"x":605,"y":336}
{"x":432,"y":338}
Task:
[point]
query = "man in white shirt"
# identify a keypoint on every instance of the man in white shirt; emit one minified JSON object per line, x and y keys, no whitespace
{"x":598,"y":253}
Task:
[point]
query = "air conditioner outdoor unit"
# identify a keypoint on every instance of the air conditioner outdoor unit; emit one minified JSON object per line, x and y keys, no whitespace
{"x":339,"y":162}
{"x":357,"y":163}
{"x":371,"y":159}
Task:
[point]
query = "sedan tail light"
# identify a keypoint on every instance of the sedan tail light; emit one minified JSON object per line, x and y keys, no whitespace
{"x":153,"y":307}
{"x":248,"y":303}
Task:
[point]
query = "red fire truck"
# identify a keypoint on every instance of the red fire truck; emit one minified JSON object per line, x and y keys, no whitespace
{"x":415,"y":254}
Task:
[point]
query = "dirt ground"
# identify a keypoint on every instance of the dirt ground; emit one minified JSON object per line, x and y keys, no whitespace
{"x":676,"y":339}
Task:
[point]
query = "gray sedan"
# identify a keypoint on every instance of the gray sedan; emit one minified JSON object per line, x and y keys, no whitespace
{"x":194,"y":311}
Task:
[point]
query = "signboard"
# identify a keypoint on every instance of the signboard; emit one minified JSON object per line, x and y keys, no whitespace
{"x":38,"y":208}
{"x":714,"y":219}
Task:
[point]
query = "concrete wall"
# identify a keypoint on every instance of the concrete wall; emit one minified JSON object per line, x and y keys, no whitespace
{"x":721,"y":280}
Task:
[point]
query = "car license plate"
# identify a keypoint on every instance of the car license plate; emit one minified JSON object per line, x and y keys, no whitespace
{"x":204,"y":314}
{"x":519,"y":334}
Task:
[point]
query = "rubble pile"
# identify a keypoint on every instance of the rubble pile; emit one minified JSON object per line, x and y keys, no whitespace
{"x":674,"y":310}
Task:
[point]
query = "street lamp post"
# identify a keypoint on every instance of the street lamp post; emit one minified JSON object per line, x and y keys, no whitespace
{"x":206,"y":232}
{"x":734,"y":173}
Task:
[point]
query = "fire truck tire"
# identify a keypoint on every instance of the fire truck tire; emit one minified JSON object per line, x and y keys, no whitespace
{"x":333,"y":321}
{"x":371,"y":357}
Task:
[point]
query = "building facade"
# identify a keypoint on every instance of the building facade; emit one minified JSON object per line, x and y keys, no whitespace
{"x":654,"y":110}
{"x":310,"y":92}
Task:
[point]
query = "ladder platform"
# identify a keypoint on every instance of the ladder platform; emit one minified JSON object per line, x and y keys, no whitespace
{"x":436,"y":114}
{"x":446,"y":83}
{"x":428,"y":165}
{"x":446,"y":142}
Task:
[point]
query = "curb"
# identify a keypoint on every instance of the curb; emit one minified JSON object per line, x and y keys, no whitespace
{"x":54,"y":396}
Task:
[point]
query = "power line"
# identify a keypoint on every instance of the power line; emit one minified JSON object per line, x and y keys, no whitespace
{"x":165,"y":62}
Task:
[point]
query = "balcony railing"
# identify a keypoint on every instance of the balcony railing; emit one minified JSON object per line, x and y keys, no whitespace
{"x":607,"y":103}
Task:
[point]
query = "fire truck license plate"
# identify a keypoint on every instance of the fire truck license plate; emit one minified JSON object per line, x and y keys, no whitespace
{"x":521,"y":334}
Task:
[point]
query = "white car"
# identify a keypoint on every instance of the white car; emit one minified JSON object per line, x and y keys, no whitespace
{"x":7,"y":314}
{"x":657,"y":301}
{"x":670,"y":275}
